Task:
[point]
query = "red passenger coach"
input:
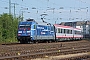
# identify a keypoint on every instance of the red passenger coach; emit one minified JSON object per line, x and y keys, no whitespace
{"x":67,"y":33}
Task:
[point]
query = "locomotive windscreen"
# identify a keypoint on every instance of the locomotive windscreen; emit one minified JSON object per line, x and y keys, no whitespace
{"x":24,"y":26}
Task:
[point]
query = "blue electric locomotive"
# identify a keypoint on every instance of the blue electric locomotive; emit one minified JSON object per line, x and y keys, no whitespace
{"x":31,"y":31}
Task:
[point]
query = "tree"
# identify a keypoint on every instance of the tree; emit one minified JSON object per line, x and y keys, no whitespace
{"x":8,"y":27}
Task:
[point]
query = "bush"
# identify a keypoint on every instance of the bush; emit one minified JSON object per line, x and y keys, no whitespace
{"x":8,"y":28}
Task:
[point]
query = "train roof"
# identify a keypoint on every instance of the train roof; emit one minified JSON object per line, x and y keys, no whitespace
{"x":38,"y":22}
{"x":43,"y":23}
{"x":34,"y":22}
{"x":65,"y":27}
{"x":25,"y":22}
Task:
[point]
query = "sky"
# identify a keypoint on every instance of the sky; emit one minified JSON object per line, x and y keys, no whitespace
{"x":53,"y":11}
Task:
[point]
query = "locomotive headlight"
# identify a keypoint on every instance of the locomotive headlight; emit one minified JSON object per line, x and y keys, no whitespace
{"x":19,"y":31}
{"x":28,"y":31}
{"x":29,"y":34}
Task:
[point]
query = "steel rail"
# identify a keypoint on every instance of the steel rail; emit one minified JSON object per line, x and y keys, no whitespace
{"x":42,"y":54}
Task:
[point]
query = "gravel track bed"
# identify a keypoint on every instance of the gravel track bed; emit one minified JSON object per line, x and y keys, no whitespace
{"x":13,"y":50}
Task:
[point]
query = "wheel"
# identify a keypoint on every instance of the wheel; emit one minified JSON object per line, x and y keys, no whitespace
{"x":21,"y":42}
{"x":35,"y":41}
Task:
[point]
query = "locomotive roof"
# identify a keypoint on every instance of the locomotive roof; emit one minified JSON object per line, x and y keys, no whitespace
{"x":24,"y":22}
{"x":33,"y":22}
{"x":43,"y":23}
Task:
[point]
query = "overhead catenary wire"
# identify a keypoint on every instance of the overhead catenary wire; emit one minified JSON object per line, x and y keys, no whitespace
{"x":47,"y":2}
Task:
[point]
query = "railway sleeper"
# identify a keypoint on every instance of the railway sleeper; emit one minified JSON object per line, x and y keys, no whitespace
{"x":67,"y":51}
{"x":32,"y":56}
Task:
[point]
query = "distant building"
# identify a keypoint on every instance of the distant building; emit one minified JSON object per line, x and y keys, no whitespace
{"x":83,"y":25}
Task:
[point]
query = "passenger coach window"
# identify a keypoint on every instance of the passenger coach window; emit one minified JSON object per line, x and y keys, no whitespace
{"x":77,"y":32}
{"x":64,"y":30}
{"x":61,"y":31}
{"x":71,"y":32}
{"x":58,"y":30}
{"x":68,"y":31}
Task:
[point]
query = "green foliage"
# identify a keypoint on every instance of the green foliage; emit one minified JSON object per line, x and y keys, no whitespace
{"x":8,"y":28}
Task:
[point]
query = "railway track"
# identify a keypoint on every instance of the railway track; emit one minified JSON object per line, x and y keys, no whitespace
{"x":30,"y":51}
{"x":16,"y":43}
{"x":79,"y":56}
{"x":44,"y":54}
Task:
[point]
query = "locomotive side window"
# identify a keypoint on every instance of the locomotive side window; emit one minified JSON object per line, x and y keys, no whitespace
{"x":52,"y":28}
{"x":34,"y":26}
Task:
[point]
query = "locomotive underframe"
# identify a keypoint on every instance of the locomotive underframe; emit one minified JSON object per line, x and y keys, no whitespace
{"x":24,"y":39}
